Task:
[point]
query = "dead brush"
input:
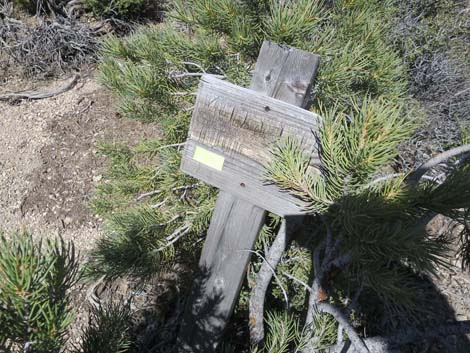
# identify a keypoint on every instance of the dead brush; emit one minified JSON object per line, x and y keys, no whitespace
{"x":45,"y":46}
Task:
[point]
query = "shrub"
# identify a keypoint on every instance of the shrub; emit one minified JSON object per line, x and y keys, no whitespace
{"x":369,"y":235}
{"x":108,"y":330}
{"x":41,"y":6}
{"x":35,"y":279}
{"x":433,"y":39}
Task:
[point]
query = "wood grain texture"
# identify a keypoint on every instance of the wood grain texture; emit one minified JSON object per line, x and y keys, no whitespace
{"x":226,"y":253}
{"x":285,"y":73}
{"x":237,"y":217}
{"x":239,"y":121}
{"x":244,"y":178}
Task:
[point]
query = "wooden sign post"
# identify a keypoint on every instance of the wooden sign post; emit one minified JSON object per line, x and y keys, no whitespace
{"x":232,"y":130}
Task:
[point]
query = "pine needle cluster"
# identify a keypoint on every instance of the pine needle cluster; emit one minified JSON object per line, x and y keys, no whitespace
{"x":108,"y":330}
{"x":35,"y":306}
{"x":379,"y":221}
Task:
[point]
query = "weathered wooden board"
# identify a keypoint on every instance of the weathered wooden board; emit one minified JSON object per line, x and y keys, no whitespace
{"x":286,"y":74}
{"x":222,"y":268}
{"x":239,"y":127}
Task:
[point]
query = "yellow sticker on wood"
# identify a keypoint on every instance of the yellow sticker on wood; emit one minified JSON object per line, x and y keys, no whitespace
{"x":208,"y":158}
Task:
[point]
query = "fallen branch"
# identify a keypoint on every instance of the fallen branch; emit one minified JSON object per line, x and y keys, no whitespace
{"x":40,"y":95}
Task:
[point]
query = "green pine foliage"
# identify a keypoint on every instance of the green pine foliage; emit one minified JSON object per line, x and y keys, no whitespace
{"x":142,"y":225}
{"x":117,"y":8}
{"x":381,"y":222}
{"x":361,"y":93}
{"x":108,"y":330}
{"x":287,"y":335}
{"x":155,"y":74}
{"x":35,"y":279}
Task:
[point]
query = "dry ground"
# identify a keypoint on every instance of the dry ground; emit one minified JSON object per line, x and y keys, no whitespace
{"x":49,"y":161}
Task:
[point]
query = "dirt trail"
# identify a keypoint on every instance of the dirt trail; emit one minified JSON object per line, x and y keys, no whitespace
{"x":49,"y":163}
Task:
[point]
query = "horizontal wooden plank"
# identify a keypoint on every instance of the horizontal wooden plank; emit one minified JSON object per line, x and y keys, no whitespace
{"x":242,"y":177}
{"x":242,"y":126}
{"x":239,"y":121}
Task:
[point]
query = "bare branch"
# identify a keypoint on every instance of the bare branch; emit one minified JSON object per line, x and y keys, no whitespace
{"x":172,"y":145}
{"x":418,"y":173}
{"x":353,"y":336}
{"x":175,"y":236}
{"x":273,"y":271}
{"x":147,"y":194}
{"x":38,"y":94}
{"x":391,"y":344}
{"x":263,"y":278}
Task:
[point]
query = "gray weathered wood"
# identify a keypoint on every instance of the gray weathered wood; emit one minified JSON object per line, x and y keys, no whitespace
{"x":285,"y":73}
{"x":237,"y":220}
{"x":243,"y":178}
{"x":238,"y":121}
{"x":241,"y":126}
{"x":226,"y":253}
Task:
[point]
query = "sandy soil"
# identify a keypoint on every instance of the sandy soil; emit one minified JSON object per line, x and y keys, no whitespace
{"x":49,"y":162}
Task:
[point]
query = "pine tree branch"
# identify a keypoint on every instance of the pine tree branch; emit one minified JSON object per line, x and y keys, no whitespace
{"x":273,"y":273}
{"x":339,"y":316}
{"x":329,"y":247}
{"x":155,"y":192}
{"x":192,"y":74}
{"x":194,"y":64}
{"x":172,"y":145}
{"x":147,"y":194}
{"x":315,"y":288}
{"x":318,"y":298}
{"x":264,"y":277}
{"x":442,"y":157}
{"x":392,"y":343}
{"x":175,"y":236}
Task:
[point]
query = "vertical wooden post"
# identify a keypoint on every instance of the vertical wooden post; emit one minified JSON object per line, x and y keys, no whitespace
{"x":286,"y":74}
